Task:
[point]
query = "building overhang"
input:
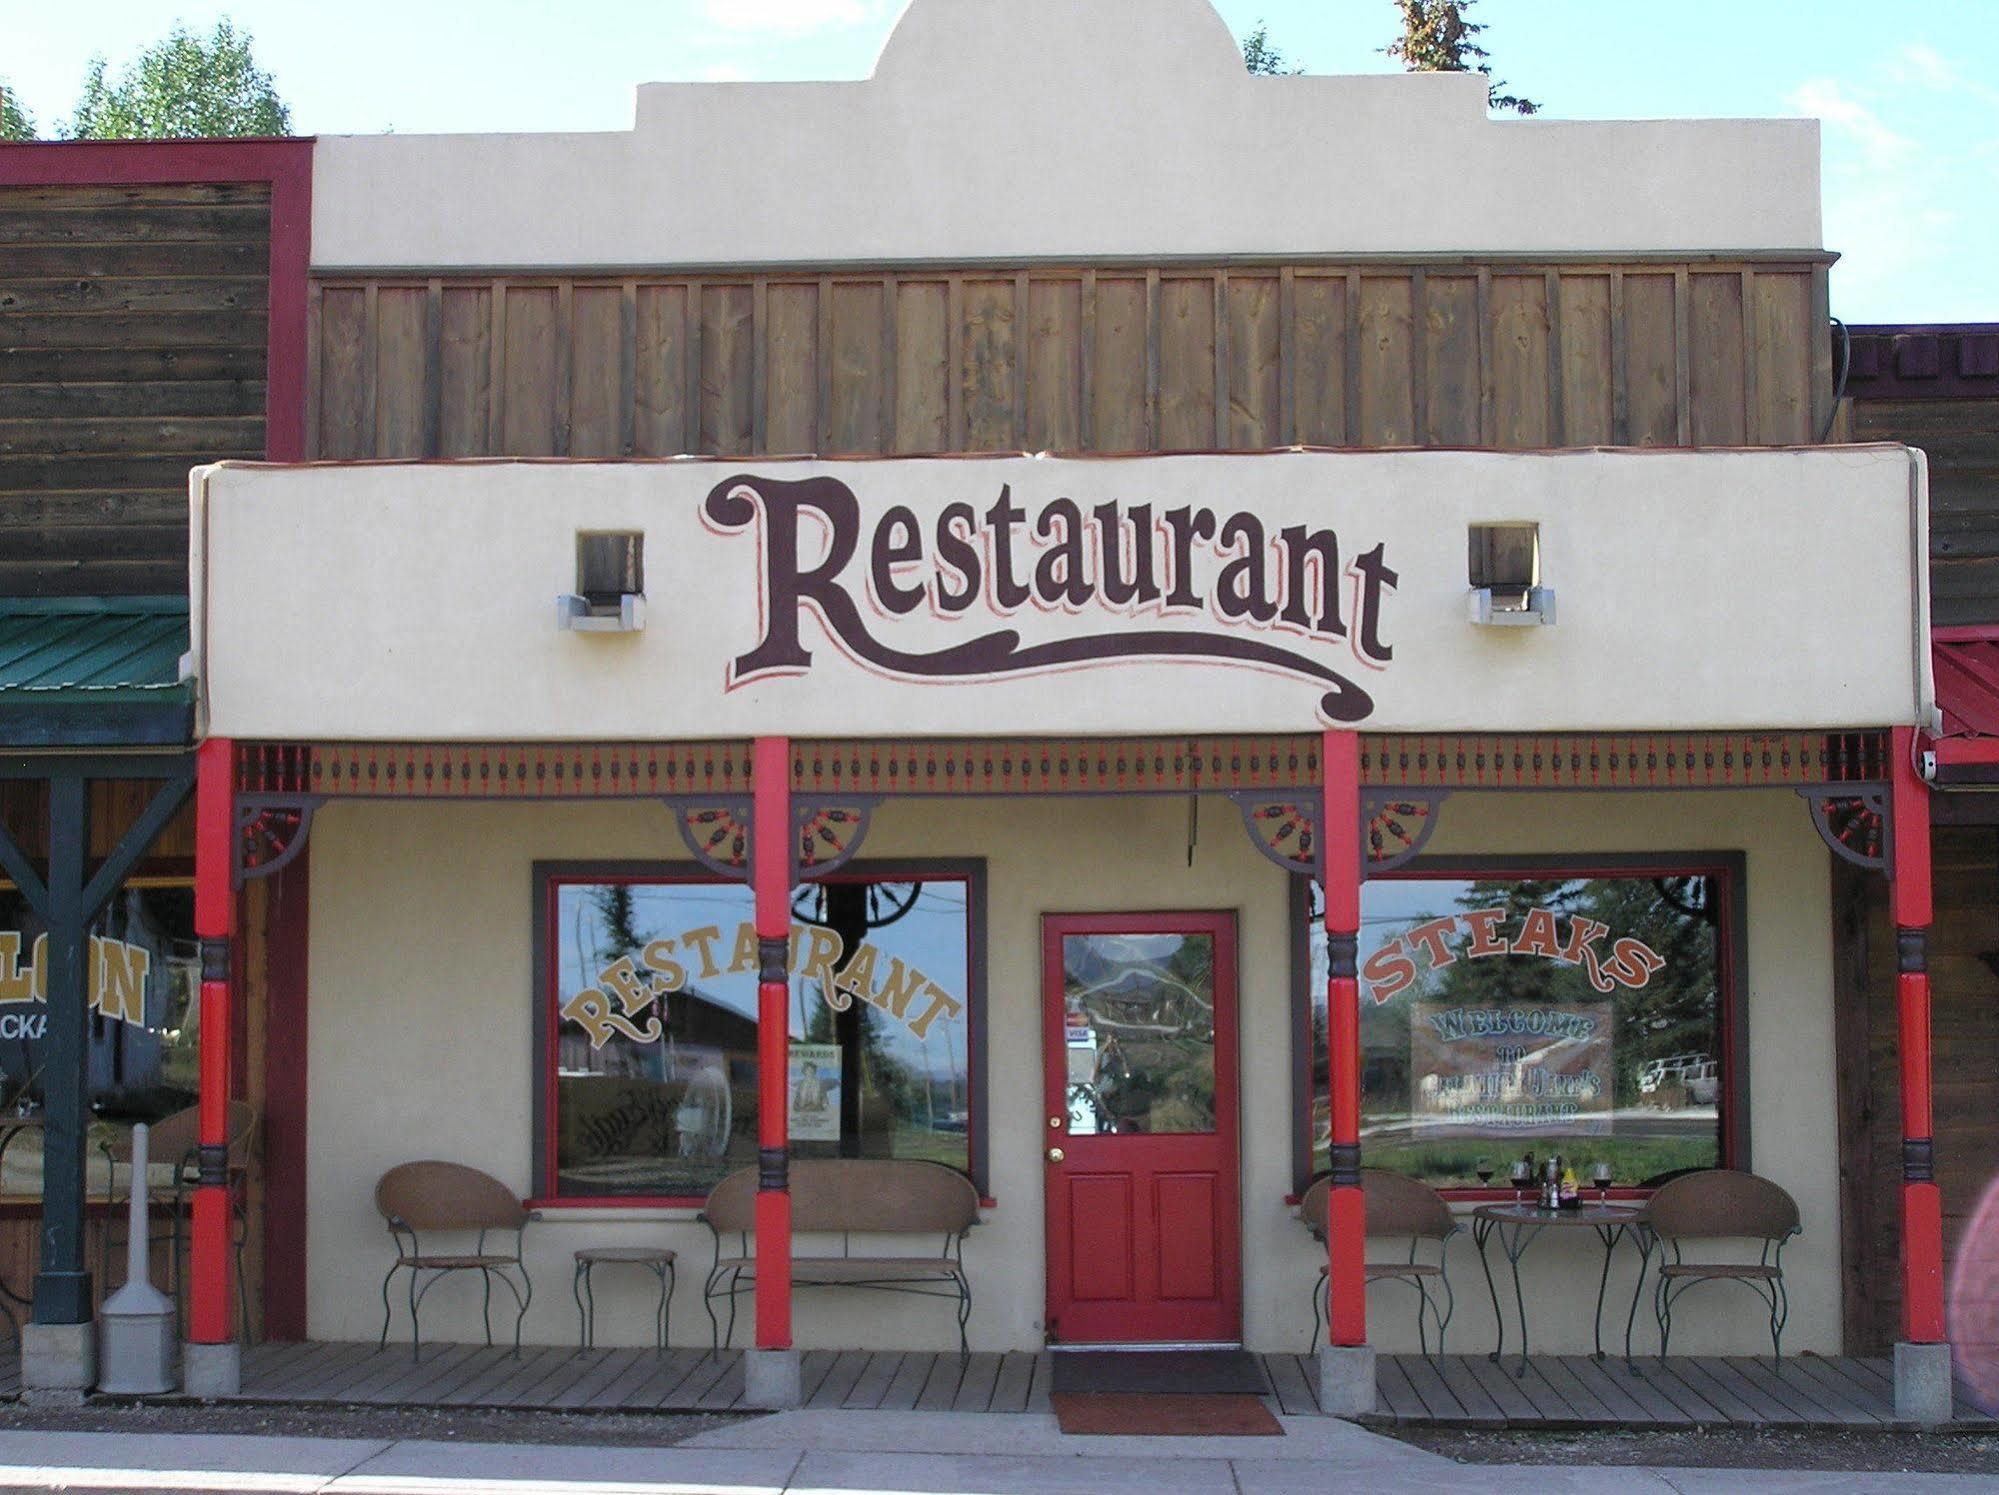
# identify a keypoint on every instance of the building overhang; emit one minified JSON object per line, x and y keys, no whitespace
{"x":1713,"y":590}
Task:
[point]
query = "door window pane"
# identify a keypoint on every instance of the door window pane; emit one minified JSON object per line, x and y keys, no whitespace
{"x":1140,"y":1032}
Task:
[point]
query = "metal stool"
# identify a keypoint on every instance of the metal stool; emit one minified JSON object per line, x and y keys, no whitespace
{"x":656,"y":1259}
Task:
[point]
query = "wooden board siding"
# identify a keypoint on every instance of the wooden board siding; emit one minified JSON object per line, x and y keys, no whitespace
{"x":1171,"y":358}
{"x":132,"y":346}
{"x":1965,"y":1034}
{"x":1962,"y":439}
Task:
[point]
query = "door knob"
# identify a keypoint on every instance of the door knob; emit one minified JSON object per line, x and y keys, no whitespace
{"x":1055,"y":1154}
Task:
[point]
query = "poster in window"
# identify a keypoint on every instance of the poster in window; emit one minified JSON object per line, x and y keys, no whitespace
{"x":815,"y":1092}
{"x":1542,"y":1069}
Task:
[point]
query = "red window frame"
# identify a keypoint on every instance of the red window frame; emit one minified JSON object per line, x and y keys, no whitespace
{"x":551,"y":878}
{"x":1728,"y":869}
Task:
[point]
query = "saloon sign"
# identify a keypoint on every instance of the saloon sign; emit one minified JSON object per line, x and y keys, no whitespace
{"x":1201,"y":584}
{"x":117,"y":976}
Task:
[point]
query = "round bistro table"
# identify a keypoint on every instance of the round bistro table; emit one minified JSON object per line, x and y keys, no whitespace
{"x":1518,"y":1226}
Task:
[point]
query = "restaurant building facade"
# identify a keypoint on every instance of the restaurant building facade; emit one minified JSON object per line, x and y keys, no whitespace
{"x":1055,"y":612}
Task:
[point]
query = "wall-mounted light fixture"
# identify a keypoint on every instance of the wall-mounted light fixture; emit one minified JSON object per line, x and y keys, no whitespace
{"x":1506,"y":590}
{"x":610,"y":585}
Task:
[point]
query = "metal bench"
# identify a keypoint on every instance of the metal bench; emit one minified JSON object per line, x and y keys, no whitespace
{"x":849,"y":1197}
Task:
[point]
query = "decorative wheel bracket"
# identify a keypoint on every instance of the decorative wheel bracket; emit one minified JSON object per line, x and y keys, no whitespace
{"x":271,"y":830}
{"x":1396,"y":824}
{"x":827,"y":834}
{"x":1854,"y":824}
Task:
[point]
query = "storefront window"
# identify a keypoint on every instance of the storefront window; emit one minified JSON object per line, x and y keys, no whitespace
{"x":651,"y":1028}
{"x":144,"y":970}
{"x":1501,"y":1015}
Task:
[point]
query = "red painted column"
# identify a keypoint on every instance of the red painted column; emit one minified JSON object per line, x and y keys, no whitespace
{"x":770,"y":877}
{"x":1910,"y":906}
{"x":210,"y":1319}
{"x":1346,"y":1215}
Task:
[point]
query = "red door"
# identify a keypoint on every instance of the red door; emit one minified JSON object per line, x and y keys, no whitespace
{"x":1139,"y":1045}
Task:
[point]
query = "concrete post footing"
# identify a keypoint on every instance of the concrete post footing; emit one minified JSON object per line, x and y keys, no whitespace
{"x":58,"y":1362}
{"x":771,"y":1379}
{"x":1922,"y":1384}
{"x":211,"y":1370}
{"x":1346,"y":1380}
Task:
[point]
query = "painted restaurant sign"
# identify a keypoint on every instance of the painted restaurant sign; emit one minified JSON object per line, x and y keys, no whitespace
{"x":1221,"y":587}
{"x":626,"y":1000}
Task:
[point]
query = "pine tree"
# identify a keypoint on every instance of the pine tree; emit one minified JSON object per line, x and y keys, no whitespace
{"x":1436,"y":38}
{"x":1264,"y":59}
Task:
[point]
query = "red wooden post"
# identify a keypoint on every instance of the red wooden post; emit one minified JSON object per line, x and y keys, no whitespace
{"x":1346,"y":1216}
{"x":1910,"y":906}
{"x":210,"y":1320}
{"x":771,"y":842}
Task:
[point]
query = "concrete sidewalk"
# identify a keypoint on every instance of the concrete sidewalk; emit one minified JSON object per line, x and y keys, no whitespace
{"x":845,"y":1451}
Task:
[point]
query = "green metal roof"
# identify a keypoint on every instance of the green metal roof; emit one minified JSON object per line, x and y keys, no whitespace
{"x":93,"y":648}
{"x":92,"y":670}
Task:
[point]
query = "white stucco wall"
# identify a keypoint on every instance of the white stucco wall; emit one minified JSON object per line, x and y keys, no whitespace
{"x":1697,"y":589}
{"x":1042,"y":128}
{"x":420,"y":1041}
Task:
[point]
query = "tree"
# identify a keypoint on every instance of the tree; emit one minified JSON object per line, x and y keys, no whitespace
{"x":1436,"y":38}
{"x":1263,"y":59}
{"x":182,"y":87}
{"x":15,"y":122}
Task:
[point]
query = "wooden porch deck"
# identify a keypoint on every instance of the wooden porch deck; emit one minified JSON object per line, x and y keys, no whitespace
{"x":1558,"y":1391}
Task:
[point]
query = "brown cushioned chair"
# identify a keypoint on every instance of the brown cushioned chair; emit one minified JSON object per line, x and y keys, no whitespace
{"x":848,"y":1197}
{"x":429,"y":1199}
{"x":1398,"y":1207}
{"x":1720,"y":1204}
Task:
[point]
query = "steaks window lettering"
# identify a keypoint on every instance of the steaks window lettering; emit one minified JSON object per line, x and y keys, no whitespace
{"x":1557,"y":1012}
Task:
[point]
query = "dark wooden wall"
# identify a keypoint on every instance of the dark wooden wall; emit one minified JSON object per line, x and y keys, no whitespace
{"x":1964,"y":948}
{"x":1066,"y":359}
{"x":132,"y":347}
{"x":1962,"y":439}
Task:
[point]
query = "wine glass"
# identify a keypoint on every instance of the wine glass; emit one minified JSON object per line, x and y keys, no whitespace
{"x":1600,"y":1175}
{"x":1521,"y":1175}
{"x":1484,"y":1170}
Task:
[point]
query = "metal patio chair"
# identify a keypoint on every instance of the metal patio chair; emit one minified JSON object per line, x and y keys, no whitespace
{"x":1398,"y":1207}
{"x":1720,"y":1204}
{"x":432,"y":1198}
{"x":173,"y":1145}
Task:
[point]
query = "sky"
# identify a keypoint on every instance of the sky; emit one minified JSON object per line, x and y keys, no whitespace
{"x":1911,"y":140}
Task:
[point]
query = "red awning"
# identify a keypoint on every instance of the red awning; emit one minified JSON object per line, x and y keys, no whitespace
{"x":1966,"y":661}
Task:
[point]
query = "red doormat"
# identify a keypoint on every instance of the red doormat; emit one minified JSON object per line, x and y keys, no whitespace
{"x":1163,"y":1415}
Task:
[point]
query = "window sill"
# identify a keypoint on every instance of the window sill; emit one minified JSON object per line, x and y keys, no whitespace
{"x":1472,"y":1198}
{"x":608,"y":1209}
{"x":646,"y":1209}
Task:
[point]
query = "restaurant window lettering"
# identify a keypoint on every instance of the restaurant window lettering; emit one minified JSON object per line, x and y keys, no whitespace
{"x":1502,"y":1015}
{"x":651,"y":1083}
{"x":143,"y":969}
